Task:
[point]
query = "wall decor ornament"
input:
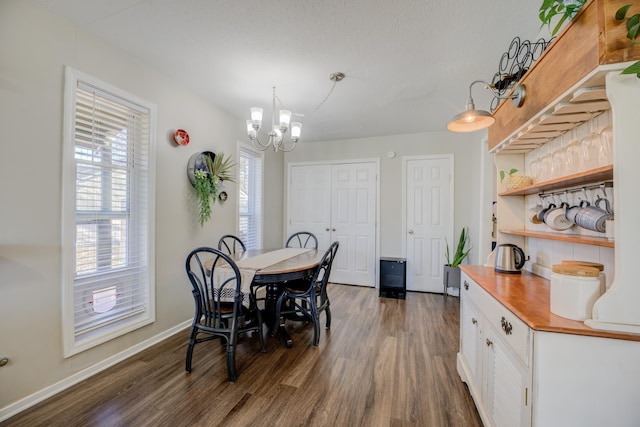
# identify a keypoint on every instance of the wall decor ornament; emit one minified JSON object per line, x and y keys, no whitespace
{"x":206,"y":172}
{"x":181,"y":137}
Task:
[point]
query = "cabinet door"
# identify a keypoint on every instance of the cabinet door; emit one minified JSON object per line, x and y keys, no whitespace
{"x":507,"y":396}
{"x":471,"y":342}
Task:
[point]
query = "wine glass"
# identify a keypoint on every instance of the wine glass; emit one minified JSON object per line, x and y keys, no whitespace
{"x":589,"y":147}
{"x":605,"y":153}
{"x":574,"y":154}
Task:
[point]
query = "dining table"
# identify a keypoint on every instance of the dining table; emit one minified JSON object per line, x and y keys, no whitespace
{"x":271,"y":268}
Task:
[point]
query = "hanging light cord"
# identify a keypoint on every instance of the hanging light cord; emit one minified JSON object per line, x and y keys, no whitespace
{"x":335,"y":78}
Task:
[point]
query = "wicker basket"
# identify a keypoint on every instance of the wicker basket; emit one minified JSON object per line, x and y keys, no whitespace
{"x":518,"y":181}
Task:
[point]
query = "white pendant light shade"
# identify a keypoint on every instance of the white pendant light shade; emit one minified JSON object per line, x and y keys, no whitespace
{"x":250,"y":129}
{"x":285,"y":118}
{"x":256,"y":115}
{"x":296,"y":130}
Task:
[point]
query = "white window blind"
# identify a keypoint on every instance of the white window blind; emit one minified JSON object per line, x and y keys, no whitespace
{"x":250,"y":167}
{"x":108,"y":273}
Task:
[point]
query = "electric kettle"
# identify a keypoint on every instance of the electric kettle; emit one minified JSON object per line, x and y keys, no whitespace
{"x":509,"y":259}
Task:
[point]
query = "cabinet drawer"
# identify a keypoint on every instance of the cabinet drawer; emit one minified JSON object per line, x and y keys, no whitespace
{"x":512,"y":330}
{"x":515,"y":332}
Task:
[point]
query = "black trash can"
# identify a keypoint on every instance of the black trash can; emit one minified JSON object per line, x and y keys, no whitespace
{"x":393,"y":277}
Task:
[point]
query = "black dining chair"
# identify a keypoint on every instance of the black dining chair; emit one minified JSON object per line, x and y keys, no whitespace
{"x":306,"y":304}
{"x":302,"y":239}
{"x":231,"y":244}
{"x":219,"y":309}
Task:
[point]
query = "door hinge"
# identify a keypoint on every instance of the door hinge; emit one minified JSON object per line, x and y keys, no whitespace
{"x":526,"y":396}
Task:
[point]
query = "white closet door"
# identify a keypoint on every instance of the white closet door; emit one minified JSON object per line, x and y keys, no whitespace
{"x":338,"y":202}
{"x":429,"y":210}
{"x":353,"y":223}
{"x":310,"y":202}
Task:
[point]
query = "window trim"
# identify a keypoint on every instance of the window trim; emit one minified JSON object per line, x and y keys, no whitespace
{"x":72,"y":345}
{"x":261,"y":154}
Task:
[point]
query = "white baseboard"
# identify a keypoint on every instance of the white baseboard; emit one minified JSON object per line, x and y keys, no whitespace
{"x":37,"y":397}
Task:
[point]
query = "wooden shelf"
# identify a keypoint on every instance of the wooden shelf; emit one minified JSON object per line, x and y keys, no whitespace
{"x":593,"y":176}
{"x":565,"y":86}
{"x":572,"y":238}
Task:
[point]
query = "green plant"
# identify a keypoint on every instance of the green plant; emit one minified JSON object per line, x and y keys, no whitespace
{"x":504,"y":173}
{"x":633,"y":30}
{"x":460,"y":253}
{"x":565,"y":9}
{"x":208,"y":178}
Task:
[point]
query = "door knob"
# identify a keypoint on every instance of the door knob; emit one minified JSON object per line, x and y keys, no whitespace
{"x":333,"y":229}
{"x":410,"y":231}
{"x":326,"y":229}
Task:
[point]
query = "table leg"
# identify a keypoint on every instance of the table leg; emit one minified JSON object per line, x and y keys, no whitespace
{"x":273,"y":293}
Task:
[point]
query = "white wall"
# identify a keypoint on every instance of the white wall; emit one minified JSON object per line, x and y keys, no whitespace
{"x":35,"y":46}
{"x":466,"y":149}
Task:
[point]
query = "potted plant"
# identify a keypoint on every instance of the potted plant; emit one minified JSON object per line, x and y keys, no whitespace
{"x":564,"y":9}
{"x":451,"y":276}
{"x":567,"y":9}
{"x":206,"y":172}
{"x":514,"y":181}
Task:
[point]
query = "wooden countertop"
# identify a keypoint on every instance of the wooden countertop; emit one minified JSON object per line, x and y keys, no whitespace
{"x":527,"y":296}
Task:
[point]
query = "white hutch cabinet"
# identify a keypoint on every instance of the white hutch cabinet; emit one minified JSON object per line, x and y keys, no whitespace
{"x":524,"y":365}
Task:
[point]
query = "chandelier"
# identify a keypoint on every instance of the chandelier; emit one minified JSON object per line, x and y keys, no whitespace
{"x":276,"y":136}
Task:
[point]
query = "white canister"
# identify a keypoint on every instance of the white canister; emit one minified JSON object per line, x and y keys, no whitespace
{"x":574,"y":290}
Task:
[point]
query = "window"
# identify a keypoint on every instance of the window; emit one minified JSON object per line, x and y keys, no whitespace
{"x":250,"y":197}
{"x":108,"y":210}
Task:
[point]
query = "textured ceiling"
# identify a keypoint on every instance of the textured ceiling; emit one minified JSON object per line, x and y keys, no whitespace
{"x":408,"y":63}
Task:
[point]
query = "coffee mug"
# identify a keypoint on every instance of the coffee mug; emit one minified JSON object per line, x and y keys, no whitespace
{"x":556,"y":219}
{"x":594,"y":217}
{"x":573,"y":210}
{"x":544,"y":211}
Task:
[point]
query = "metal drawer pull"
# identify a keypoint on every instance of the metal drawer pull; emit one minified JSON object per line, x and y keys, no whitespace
{"x":474,"y":321}
{"x":506,"y":326}
{"x":489,"y":342}
{"x":466,"y":285}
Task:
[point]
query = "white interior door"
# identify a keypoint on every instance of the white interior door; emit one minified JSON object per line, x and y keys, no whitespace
{"x":338,"y":202}
{"x":353,"y":223}
{"x":310,"y":202}
{"x":429,"y":219}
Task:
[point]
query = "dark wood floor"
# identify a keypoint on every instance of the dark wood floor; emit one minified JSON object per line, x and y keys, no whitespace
{"x":385,"y":362}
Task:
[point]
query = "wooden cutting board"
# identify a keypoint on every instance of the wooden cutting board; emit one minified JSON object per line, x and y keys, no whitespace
{"x":575,"y":270}
{"x":597,"y":265}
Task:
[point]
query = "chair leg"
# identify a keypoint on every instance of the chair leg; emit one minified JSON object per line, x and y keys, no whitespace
{"x":192,"y":343}
{"x":276,"y":320}
{"x":328,"y":314}
{"x":263,"y":347}
{"x":316,"y":323}
{"x":231,"y":359}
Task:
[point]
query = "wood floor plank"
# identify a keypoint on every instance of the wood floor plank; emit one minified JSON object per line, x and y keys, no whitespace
{"x":384,"y":362}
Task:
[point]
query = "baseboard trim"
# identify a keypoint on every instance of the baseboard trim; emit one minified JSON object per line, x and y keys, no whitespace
{"x":37,"y":397}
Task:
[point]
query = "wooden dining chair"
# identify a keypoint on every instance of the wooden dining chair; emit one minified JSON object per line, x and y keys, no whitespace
{"x":221,"y":309}
{"x":231,"y":244}
{"x":302,"y":239}
{"x":307,"y":304}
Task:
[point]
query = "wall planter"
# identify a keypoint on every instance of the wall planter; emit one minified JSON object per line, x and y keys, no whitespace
{"x":206,"y":172}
